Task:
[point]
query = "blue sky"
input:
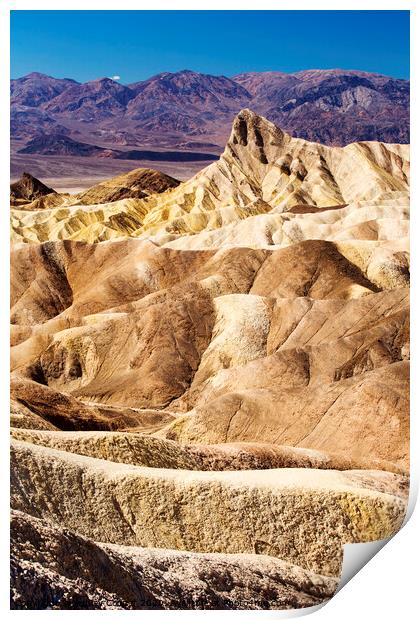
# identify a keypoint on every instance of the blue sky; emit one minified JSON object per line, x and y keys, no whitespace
{"x":134,"y":45}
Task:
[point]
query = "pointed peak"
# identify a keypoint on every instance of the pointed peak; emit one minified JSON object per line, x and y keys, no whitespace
{"x":252,"y":117}
{"x":250,"y":127}
{"x":246,"y":113}
{"x":104,"y":80}
{"x":36,"y":74}
{"x":28,"y":187}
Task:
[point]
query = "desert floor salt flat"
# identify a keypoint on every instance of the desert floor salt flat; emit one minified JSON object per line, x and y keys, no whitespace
{"x":210,"y":377}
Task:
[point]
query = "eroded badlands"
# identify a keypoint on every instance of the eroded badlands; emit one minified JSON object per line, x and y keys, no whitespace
{"x":210,"y":383}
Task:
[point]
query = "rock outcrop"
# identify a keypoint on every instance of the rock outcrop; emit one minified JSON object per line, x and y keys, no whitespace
{"x":28,"y":188}
{"x":106,"y":576}
{"x":137,"y":448}
{"x":138,"y":183}
{"x":264,"y":174}
{"x":301,"y":516}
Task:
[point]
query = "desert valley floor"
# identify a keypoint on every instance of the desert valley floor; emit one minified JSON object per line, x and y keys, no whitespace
{"x":210,"y":377}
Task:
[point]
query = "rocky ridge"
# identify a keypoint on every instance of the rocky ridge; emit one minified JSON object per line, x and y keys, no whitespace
{"x":137,"y":183}
{"x":264,"y":173}
{"x":209,"y":384}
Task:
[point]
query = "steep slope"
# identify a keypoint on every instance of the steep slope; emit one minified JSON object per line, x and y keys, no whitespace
{"x":116,"y":503}
{"x":262,"y":170}
{"x":138,"y":578}
{"x":28,"y":188}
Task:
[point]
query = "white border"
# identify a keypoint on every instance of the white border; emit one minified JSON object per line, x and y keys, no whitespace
{"x":387,"y":586}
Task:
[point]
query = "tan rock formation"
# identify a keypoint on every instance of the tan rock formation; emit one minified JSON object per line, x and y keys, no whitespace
{"x":261,"y":169}
{"x":233,"y":512}
{"x":219,"y":371}
{"x":137,"y":183}
{"x":44,"y":575}
{"x":28,"y":188}
{"x":289,"y":341}
{"x":136,"y":448}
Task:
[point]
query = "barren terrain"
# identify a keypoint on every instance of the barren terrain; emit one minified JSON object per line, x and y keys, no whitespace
{"x":210,"y":378}
{"x":61,"y":128}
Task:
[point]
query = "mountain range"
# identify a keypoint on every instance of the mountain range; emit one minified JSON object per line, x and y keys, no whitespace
{"x":335,"y":107}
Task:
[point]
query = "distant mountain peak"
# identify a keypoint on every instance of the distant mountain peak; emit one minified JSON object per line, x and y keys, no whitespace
{"x":37,"y":74}
{"x":35,"y":89}
{"x":105,"y":80}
